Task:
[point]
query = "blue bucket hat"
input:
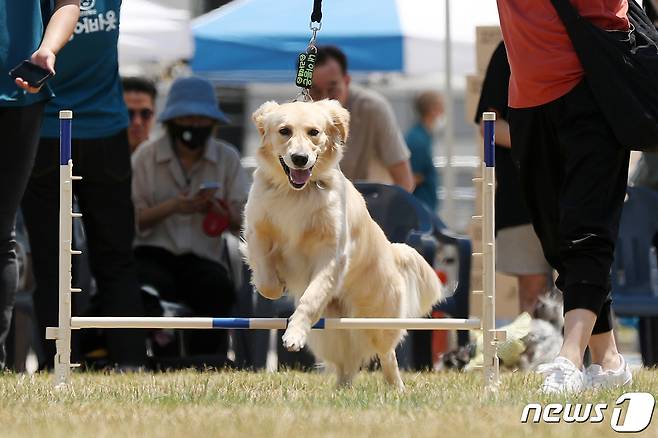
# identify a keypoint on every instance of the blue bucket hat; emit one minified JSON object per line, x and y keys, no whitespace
{"x":192,"y":96}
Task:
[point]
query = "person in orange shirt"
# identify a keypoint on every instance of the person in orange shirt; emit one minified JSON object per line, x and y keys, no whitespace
{"x":573,"y":177}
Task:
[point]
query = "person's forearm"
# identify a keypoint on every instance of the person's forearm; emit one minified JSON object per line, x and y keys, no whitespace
{"x":402,"y":176}
{"x":151,"y":216}
{"x":61,"y":25}
{"x":502,"y":134}
{"x":418,"y":178}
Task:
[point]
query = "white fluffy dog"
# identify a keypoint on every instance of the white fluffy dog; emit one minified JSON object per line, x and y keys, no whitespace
{"x":307,"y":230}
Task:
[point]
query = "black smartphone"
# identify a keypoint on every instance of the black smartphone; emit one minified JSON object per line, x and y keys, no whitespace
{"x":30,"y":73}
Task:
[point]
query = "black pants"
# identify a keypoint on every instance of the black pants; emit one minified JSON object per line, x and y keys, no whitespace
{"x":104,"y":196}
{"x":20,"y":135}
{"x":573,"y":177}
{"x":201,"y":284}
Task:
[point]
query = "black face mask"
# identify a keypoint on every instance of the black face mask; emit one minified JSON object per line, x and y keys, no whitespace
{"x":193,"y":137}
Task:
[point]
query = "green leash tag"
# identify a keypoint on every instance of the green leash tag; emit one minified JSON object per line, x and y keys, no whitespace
{"x":305,"y":66}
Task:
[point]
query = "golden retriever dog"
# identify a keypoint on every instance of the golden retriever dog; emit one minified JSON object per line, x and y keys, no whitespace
{"x":307,"y":231}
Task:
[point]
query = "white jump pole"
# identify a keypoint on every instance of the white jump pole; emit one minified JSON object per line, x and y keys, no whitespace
{"x":62,"y":333}
{"x":489,"y":334}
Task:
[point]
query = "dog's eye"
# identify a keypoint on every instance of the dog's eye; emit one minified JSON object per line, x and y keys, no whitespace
{"x":313,"y":132}
{"x":284,"y":131}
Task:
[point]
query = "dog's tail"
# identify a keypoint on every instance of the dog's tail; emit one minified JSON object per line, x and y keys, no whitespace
{"x":424,"y":288}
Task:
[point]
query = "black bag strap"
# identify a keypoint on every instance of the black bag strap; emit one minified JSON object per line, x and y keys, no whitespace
{"x":643,"y":32}
{"x":566,"y":12}
{"x":636,"y":16}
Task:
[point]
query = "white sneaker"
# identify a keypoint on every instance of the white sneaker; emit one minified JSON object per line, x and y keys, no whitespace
{"x":562,"y":376}
{"x":597,"y":378}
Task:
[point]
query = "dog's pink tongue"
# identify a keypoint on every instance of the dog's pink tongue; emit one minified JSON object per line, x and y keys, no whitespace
{"x":300,"y":176}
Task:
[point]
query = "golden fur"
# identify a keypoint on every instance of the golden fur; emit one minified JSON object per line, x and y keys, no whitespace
{"x":295,"y":240}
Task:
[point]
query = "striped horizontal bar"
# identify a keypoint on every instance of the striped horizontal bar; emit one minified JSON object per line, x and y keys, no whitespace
{"x":402,"y":323}
{"x":79,"y":322}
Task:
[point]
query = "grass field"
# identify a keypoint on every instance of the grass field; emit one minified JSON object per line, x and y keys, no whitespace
{"x":233,"y":403}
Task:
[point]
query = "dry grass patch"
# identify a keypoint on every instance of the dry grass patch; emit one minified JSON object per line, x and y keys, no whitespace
{"x":235,"y":403}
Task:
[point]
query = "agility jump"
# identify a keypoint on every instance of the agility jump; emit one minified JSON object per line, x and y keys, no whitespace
{"x":66,"y":322}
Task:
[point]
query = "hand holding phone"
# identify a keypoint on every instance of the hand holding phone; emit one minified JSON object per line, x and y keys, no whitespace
{"x":32,"y":74}
{"x":207,"y":189}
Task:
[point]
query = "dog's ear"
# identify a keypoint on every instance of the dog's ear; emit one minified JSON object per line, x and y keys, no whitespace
{"x":259,"y":115}
{"x":340,"y":117}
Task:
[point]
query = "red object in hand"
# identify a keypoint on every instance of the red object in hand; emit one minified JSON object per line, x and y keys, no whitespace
{"x":214,"y":224}
{"x":443,"y":277}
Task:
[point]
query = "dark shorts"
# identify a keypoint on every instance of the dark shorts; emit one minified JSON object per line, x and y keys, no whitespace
{"x":573,"y":178}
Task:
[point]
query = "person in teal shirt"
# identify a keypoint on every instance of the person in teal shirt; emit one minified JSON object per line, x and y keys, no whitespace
{"x":22,"y":36}
{"x":420,"y":138}
{"x":88,"y":83}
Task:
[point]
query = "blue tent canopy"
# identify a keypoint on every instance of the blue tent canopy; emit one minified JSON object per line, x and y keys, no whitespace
{"x":261,"y":38}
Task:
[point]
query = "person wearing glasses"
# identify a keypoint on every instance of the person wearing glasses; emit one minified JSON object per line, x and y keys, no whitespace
{"x":88,"y":83}
{"x":139,"y":95}
{"x":375,"y":150}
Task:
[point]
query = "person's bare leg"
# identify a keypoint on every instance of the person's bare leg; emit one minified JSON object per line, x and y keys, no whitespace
{"x":530,"y":288}
{"x":578,"y":325}
{"x":604,"y":350}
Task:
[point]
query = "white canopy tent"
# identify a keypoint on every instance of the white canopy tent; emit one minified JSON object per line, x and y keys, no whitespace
{"x":426,"y":22}
{"x":153,"y":34}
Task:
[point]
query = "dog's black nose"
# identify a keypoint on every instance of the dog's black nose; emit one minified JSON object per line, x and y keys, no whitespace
{"x":299,"y":159}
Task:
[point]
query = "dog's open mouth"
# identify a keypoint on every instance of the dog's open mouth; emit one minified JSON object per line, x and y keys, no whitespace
{"x":297,"y":177}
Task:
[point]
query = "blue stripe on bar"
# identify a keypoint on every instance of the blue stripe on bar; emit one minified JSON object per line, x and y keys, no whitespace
{"x":319,"y":324}
{"x":228,"y":323}
{"x":489,"y":143}
{"x":64,"y":141}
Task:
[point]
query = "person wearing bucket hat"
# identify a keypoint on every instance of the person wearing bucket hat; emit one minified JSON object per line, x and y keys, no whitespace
{"x":188,"y":188}
{"x":192,"y":96}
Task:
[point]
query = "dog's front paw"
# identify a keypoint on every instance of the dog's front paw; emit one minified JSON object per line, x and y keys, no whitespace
{"x":294,"y":339}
